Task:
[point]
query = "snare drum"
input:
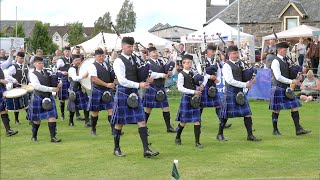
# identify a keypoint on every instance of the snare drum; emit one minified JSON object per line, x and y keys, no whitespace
{"x":83,"y":68}
{"x":29,"y":88}
{"x":17,"y":99}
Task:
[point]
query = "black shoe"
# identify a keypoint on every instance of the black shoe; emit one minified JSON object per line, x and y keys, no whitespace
{"x":118,"y":153}
{"x":177,"y":141}
{"x":220,"y":137}
{"x":88,"y":124}
{"x":227,"y":126}
{"x":276,"y":132}
{"x":302,"y":131}
{"x":34,"y":139}
{"x":171,"y":130}
{"x":71,"y":124}
{"x":17,"y":122}
{"x":55,"y":140}
{"x":11,"y":133}
{"x":198,"y":145}
{"x":93,"y":133}
{"x":79,"y":118}
{"x":62,"y":118}
{"x":252,"y":138}
{"x":149,"y":153}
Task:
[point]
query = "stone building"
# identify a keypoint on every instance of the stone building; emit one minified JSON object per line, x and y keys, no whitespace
{"x":257,"y":16}
{"x":172,"y":33}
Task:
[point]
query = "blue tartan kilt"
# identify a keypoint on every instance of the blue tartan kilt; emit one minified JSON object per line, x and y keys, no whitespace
{"x":63,"y":93}
{"x":95,"y":102}
{"x":122,"y":113}
{"x":2,"y":100}
{"x":37,"y":113}
{"x":207,"y":101}
{"x":80,"y":103}
{"x":186,"y":113}
{"x":149,"y":100}
{"x":230,"y":108}
{"x":279,"y":101}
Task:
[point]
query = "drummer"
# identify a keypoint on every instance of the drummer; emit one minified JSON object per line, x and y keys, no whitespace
{"x":102,"y":84}
{"x":81,"y":98}
{"x":18,"y":76}
{"x":3,"y":111}
{"x":42,"y":104}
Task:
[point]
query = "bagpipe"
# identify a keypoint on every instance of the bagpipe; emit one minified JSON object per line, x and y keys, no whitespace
{"x":168,"y":65}
{"x":178,"y":60}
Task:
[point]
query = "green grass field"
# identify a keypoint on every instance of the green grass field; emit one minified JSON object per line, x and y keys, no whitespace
{"x":81,"y":156}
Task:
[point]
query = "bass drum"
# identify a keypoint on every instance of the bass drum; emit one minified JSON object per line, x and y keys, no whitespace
{"x":83,"y":68}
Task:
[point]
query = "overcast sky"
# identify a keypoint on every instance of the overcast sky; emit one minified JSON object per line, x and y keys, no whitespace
{"x":185,"y":13}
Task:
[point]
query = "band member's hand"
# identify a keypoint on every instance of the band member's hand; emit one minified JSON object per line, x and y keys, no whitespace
{"x":254,"y":80}
{"x":85,"y":75}
{"x":64,"y":72}
{"x":213,"y":77}
{"x":150,"y":80}
{"x":3,"y":81}
{"x":296,"y":81}
{"x":201,"y":87}
{"x":55,"y":89}
{"x":116,"y":82}
{"x":170,"y":73}
{"x":59,"y":85}
{"x":198,"y":93}
{"x":12,"y":52}
{"x":249,"y":84}
{"x":15,"y":82}
{"x":216,"y":81}
{"x":144,"y":85}
{"x":111,"y":85}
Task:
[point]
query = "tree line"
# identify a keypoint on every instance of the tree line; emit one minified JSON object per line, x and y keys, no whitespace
{"x":40,"y":38}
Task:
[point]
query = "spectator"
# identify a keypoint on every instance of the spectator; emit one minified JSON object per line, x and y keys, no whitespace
{"x":299,"y":49}
{"x":310,"y":88}
{"x":314,"y":54}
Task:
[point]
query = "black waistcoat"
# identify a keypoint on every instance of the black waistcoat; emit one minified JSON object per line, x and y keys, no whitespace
{"x":188,"y":81}
{"x":75,"y":85}
{"x":2,"y":77}
{"x":236,"y":72}
{"x":159,"y":69}
{"x":284,"y":69}
{"x":18,"y":75}
{"x":210,"y":81}
{"x":66,"y":64}
{"x":103,"y":74}
{"x":131,"y":70}
{"x":45,"y":81}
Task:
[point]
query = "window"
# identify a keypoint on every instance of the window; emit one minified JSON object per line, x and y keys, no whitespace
{"x":66,"y":38}
{"x":291,"y":22}
{"x":57,"y":38}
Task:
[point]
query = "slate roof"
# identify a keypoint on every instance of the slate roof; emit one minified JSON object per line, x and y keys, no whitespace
{"x":252,"y":11}
{"x":28,"y":25}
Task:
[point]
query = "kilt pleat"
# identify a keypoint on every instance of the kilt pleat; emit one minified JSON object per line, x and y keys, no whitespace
{"x":80,"y":103}
{"x":63,"y":93}
{"x":186,"y":113}
{"x":95,"y":102}
{"x":207,"y":101}
{"x":230,"y":108}
{"x":36,"y":112}
{"x":122,"y":113}
{"x":2,"y":100}
{"x":149,"y":100}
{"x":279,"y":101}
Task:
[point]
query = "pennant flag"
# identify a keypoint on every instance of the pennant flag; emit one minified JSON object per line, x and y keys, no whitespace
{"x":175,"y":173}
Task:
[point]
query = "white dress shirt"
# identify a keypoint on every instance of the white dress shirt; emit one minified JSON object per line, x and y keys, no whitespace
{"x":180,"y":83}
{"x":12,"y":71}
{"x":120,"y":71}
{"x":5,"y":64}
{"x":275,"y":66}
{"x":36,"y":84}
{"x":72,"y":72}
{"x":228,"y":76}
{"x":156,"y":75}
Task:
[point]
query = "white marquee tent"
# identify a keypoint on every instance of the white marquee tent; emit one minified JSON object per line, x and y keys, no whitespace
{"x":112,"y":41}
{"x":227,"y":32}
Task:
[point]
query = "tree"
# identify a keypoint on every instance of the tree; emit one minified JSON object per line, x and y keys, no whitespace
{"x":126,"y":19}
{"x":75,"y":33}
{"x":102,"y":24}
{"x":20,"y":32}
{"x":41,"y":39}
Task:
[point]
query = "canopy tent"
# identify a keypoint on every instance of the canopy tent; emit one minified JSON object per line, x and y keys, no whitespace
{"x":112,"y":41}
{"x":296,"y":32}
{"x":226,"y":32}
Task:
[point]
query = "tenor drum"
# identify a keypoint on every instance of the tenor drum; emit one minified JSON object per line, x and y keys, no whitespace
{"x":17,"y":99}
{"x":83,"y":68}
{"x":29,"y":88}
